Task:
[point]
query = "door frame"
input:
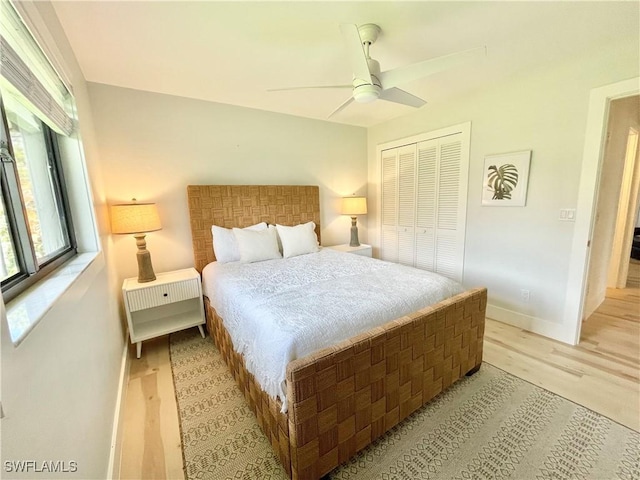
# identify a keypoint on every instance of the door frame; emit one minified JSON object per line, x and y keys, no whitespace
{"x":595,"y":138}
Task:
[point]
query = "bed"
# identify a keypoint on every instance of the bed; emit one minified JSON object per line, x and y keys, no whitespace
{"x":340,"y":398}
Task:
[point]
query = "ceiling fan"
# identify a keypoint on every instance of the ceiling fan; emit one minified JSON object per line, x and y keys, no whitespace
{"x":370,"y":84}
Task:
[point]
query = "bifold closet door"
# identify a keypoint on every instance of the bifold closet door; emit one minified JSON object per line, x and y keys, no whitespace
{"x":424,"y":198}
{"x":406,"y":205}
{"x":389,"y":243}
{"x":441,"y":207}
{"x":426,"y":205}
{"x":399,"y":204}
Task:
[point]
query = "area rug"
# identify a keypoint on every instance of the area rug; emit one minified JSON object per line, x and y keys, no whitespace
{"x":491,"y":425}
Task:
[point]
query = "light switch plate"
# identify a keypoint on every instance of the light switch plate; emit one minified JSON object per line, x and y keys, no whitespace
{"x":567,"y":215}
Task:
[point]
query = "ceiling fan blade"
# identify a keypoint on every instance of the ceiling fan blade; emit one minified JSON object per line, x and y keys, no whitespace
{"x":357,"y":57}
{"x":311,"y":86}
{"x":418,"y":70}
{"x":341,"y":107}
{"x":400,"y":96}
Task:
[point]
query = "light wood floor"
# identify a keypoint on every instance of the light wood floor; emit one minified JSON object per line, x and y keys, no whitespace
{"x":601,"y":373}
{"x":151,"y":447}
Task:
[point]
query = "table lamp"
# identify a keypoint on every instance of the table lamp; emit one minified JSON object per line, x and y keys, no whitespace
{"x":354,"y":206}
{"x":137,"y":219}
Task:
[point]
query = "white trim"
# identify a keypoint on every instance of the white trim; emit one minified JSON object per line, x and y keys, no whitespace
{"x":423,"y":137}
{"x":115,"y":453}
{"x":537,"y":325}
{"x":587,"y":197}
{"x":25,"y":311}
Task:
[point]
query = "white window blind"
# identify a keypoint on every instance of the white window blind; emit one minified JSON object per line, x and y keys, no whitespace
{"x":27,"y":74}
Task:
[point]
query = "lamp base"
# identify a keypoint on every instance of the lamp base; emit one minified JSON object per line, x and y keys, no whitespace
{"x":354,"y":233}
{"x":145,"y":269}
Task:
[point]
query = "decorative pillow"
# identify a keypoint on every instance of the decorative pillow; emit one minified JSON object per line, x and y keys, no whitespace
{"x":257,"y":245}
{"x":225,"y":246}
{"x":298,"y":240}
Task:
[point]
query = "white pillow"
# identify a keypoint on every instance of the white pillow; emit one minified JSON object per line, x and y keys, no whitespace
{"x":225,"y":246}
{"x":257,"y":245}
{"x":298,"y":240}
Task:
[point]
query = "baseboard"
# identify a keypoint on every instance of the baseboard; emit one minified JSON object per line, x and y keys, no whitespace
{"x":591,"y":307}
{"x":556,"y":331}
{"x":118,"y":417}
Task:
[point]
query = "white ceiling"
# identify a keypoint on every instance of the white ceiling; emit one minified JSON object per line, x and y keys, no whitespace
{"x":232,"y":52}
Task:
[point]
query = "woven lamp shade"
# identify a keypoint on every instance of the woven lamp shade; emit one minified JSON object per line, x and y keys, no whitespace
{"x":354,"y":206}
{"x":135,"y":218}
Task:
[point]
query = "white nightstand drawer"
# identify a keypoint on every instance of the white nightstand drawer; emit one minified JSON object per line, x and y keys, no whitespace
{"x":362,"y":249}
{"x":142,"y":298}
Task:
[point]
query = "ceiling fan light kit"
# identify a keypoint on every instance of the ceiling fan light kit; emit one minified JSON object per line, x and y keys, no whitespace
{"x":369,"y":84}
{"x":366,"y":93}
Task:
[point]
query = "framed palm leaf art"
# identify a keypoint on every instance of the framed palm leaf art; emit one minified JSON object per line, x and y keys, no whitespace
{"x":505,"y":179}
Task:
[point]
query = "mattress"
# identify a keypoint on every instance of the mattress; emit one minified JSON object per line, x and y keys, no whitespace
{"x":279,"y":310}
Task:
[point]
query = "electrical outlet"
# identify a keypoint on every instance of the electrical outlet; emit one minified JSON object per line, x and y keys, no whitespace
{"x":525,"y":295}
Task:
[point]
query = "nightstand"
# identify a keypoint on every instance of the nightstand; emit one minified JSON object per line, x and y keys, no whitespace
{"x":172,"y":302}
{"x":364,"y":250}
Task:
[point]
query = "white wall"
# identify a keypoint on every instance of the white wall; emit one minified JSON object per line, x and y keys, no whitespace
{"x":59,"y":386}
{"x":154,"y":145}
{"x":513,"y":248}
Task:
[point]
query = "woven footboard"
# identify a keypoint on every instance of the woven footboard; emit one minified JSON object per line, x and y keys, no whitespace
{"x":344,"y":397}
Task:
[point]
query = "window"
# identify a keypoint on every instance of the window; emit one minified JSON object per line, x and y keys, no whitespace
{"x":36,"y":233}
{"x":35,"y":227}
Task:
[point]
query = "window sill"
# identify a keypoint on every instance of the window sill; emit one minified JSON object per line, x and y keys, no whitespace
{"x":27,"y":309}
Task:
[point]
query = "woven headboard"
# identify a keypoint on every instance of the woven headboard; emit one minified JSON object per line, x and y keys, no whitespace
{"x":243,"y":205}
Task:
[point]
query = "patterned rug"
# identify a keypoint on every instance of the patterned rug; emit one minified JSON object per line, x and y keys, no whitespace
{"x":491,"y":425}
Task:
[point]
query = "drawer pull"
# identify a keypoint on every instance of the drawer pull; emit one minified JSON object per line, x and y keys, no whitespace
{"x":165,"y":295}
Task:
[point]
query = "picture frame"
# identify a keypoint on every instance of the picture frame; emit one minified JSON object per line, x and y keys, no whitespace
{"x":505,"y":179}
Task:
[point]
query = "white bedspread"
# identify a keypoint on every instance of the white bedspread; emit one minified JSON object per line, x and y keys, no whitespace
{"x":280,"y":310}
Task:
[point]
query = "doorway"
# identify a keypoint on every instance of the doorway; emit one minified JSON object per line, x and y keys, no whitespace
{"x":627,"y":219}
{"x":599,"y":102}
{"x":616,"y":204}
{"x":611,"y":310}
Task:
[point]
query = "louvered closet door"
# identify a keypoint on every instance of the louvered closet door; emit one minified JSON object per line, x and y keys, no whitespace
{"x":426,"y":205}
{"x":424,"y":201}
{"x":449,"y":259}
{"x":406,"y":204}
{"x":450,"y":209}
{"x":389,"y":246}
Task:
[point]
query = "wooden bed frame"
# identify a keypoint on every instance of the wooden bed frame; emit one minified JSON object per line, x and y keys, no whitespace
{"x":341,"y":398}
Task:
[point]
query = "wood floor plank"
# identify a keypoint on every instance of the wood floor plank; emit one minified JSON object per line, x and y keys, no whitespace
{"x":151,"y":446}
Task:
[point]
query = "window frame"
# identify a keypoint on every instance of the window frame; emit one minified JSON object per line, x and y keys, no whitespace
{"x":30,"y":271}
